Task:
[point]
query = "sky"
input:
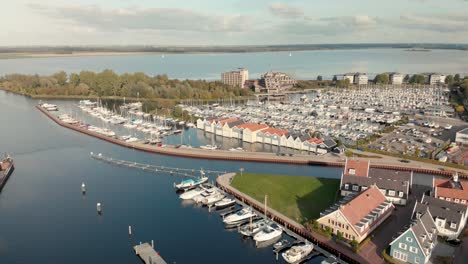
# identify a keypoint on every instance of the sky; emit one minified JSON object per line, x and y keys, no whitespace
{"x":231,"y":22}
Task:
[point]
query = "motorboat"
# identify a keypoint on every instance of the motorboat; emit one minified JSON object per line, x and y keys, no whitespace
{"x":236,"y":149}
{"x":225,"y":202}
{"x":132,"y":139}
{"x":297,"y":253}
{"x":281,"y":244}
{"x":192,"y":193}
{"x":253,"y":228}
{"x":209,"y":147}
{"x":239,"y":217}
{"x":190,"y":183}
{"x":199,"y":198}
{"x":213,"y":198}
{"x":269,"y":232}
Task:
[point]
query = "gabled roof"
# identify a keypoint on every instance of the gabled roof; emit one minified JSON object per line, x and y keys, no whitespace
{"x":222,"y":122}
{"x":384,"y":179}
{"x":451,"y":188}
{"x":275,"y":131}
{"x":362,"y":205}
{"x":329,"y":143}
{"x":315,"y":140}
{"x":451,"y":212}
{"x":357,"y":167}
{"x":252,"y":127}
{"x":235,"y":123}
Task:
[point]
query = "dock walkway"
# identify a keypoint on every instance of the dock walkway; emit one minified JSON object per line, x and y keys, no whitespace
{"x":147,"y":253}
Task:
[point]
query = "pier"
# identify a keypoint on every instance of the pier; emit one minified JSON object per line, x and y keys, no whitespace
{"x":390,"y":162}
{"x":147,"y":253}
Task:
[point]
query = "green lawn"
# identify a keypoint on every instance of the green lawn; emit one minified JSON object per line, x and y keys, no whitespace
{"x":300,"y":198}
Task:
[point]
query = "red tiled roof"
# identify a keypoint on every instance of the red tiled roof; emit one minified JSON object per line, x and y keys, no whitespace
{"x":275,"y":131}
{"x":316,"y":140}
{"x":444,"y":189}
{"x":361,"y":205}
{"x":252,"y":127}
{"x":229,"y":120}
{"x":357,"y":168}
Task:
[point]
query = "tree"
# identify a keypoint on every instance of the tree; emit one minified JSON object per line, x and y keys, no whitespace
{"x":382,"y":78}
{"x":61,"y":77}
{"x":335,"y":78}
{"x":418,"y":79}
{"x":449,"y":79}
{"x":342,"y":83}
{"x":319,"y":78}
{"x":456,"y":78}
{"x":406,"y":79}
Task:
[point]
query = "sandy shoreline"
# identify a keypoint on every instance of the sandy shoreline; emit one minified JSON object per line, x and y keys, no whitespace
{"x":74,"y":54}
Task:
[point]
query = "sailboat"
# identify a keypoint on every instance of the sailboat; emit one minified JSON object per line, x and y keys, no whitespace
{"x":270,"y":232}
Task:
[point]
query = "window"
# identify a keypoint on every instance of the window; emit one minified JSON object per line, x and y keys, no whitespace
{"x":453,"y":225}
{"x":416,"y":260}
{"x":448,"y":199}
{"x":400,"y":255}
{"x":400,"y":194}
{"x":409,"y":239}
{"x":347,"y":227}
{"x":346,"y":186}
{"x":364,"y":188}
{"x":402,"y":246}
{"x":457,"y":200}
{"x":352,"y":171}
{"x":391,"y":192}
{"x":413,"y":250}
{"x":442,"y":198}
{"x":463,"y":201}
{"x":355,"y":187}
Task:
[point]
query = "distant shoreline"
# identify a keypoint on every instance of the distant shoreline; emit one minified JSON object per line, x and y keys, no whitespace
{"x":70,"y":51}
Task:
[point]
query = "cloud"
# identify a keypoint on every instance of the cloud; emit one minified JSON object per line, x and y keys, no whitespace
{"x":134,"y":18}
{"x":285,"y":10}
{"x":437,"y":23}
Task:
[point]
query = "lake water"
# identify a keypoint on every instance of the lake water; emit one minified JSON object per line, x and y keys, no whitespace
{"x":302,"y":64}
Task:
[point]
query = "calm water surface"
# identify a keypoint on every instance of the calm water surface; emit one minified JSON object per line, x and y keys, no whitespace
{"x":302,"y":65}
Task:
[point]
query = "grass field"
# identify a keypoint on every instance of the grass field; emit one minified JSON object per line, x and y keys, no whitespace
{"x":299,"y":198}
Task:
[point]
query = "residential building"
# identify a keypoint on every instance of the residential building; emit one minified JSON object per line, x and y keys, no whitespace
{"x":358,"y":176}
{"x":349,"y":77}
{"x":249,"y":131}
{"x":271,"y":136}
{"x":396,"y":78}
{"x":436,"y":79}
{"x":356,"y":217}
{"x":360,"y":78}
{"x":415,"y":244}
{"x":452,"y":190}
{"x":462,"y":136}
{"x":450,"y":218}
{"x":277,"y":81}
{"x":235,"y":78}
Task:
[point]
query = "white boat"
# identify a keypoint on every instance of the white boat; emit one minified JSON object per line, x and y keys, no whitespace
{"x":132,"y":139}
{"x":199,"y":198}
{"x":239,"y":216}
{"x":192,"y":193}
{"x":448,"y":127}
{"x":297,"y":253}
{"x":253,"y":228}
{"x":270,"y":232}
{"x":209,"y":147}
{"x":190,"y":183}
{"x":226,"y":202}
{"x":236,"y":149}
{"x":216,"y":196}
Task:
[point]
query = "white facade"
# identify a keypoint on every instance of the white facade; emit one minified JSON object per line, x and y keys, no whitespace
{"x":360,"y":79}
{"x":396,"y":78}
{"x":462,"y":136}
{"x":235,"y":78}
{"x":436,"y":79}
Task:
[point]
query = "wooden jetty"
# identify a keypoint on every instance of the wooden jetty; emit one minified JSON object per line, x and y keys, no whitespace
{"x":147,"y":253}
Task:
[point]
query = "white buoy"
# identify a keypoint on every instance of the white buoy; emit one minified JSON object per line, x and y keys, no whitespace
{"x":83,"y":187}
{"x":129,"y":230}
{"x":99,"y":208}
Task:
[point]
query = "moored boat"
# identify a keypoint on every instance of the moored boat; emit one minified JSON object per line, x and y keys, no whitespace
{"x":6,"y":168}
{"x":226,"y":202}
{"x":269,"y":232}
{"x":297,"y":253}
{"x":239,"y":217}
{"x":190,"y":183}
{"x":252,"y":228}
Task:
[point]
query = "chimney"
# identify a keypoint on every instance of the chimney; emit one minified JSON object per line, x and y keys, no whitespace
{"x":455,"y":177}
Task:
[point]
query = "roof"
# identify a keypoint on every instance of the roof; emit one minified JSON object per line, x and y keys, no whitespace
{"x":463,"y":131}
{"x":362,"y":205}
{"x":252,"y":127}
{"x":329,"y":143}
{"x":229,"y":120}
{"x":422,"y":229}
{"x":357,"y":167}
{"x":315,"y":140}
{"x":235,"y":123}
{"x":384,"y":179}
{"x":275,"y":131}
{"x":451,"y":188}
{"x":451,"y":212}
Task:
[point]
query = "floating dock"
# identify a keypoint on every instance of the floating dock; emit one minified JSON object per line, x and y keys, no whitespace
{"x":147,"y":253}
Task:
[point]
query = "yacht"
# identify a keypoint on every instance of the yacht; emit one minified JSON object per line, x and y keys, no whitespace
{"x":239,"y":217}
{"x":253,"y":228}
{"x":213,"y":198}
{"x":192,"y":193}
{"x":190,"y":183}
{"x":209,"y":147}
{"x":270,"y":232}
{"x":199,"y":198}
{"x":226,"y":202}
{"x":297,"y":253}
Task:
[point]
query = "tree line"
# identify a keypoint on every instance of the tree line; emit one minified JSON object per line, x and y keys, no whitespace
{"x":108,"y":83}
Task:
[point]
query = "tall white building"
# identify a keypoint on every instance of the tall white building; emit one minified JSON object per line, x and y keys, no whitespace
{"x":277,"y":81}
{"x":360,"y":78}
{"x":396,"y":78}
{"x":436,"y":78}
{"x":235,"y":78}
